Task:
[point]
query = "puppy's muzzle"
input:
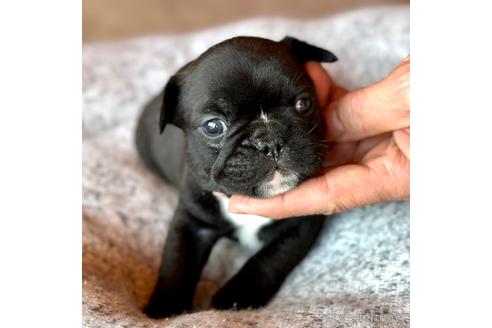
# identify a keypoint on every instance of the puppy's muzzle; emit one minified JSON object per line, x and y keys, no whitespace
{"x":268,"y":139}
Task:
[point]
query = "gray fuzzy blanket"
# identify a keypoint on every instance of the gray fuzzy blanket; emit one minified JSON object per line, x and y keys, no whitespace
{"x":357,"y":275}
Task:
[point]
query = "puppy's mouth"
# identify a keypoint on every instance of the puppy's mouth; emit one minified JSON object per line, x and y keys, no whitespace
{"x":277,"y":183}
{"x":246,"y":171}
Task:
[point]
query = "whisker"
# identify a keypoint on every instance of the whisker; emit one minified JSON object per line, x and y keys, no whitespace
{"x":298,"y":77}
{"x":312,"y":129}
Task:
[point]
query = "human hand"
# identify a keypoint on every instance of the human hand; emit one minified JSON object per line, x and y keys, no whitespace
{"x":369,"y":159}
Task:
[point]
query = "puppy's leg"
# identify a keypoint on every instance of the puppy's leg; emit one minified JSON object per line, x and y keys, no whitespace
{"x":187,"y":248}
{"x":263,"y":274}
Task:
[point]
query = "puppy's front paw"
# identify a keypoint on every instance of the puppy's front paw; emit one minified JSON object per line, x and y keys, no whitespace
{"x":159,"y":308}
{"x":235,"y":295}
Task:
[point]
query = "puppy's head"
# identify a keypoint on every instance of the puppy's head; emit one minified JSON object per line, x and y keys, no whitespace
{"x":250,"y":115}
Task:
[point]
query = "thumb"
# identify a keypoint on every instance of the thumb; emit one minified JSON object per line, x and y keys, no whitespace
{"x":376,"y":109}
{"x":339,"y":189}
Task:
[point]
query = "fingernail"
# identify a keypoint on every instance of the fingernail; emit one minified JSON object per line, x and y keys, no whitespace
{"x":219,"y":194}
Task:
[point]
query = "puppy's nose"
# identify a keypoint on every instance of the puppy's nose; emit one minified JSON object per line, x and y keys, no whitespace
{"x":271,"y":147}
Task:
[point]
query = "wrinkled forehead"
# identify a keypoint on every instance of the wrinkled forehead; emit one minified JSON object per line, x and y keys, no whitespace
{"x":246,"y":81}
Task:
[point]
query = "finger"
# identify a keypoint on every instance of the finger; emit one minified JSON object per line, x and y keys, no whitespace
{"x":307,"y":198}
{"x":402,"y":139}
{"x":378,"y":108}
{"x":372,"y":147}
{"x":342,"y":188}
{"x":321,"y":80}
{"x":340,"y":153}
{"x":336,"y":93}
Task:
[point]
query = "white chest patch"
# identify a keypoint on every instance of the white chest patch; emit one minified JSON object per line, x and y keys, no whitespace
{"x":247,"y":226}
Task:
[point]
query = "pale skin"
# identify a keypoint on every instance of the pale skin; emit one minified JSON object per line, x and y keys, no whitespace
{"x":368,"y":161}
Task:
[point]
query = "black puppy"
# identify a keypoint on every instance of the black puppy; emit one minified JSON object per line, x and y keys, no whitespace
{"x":248,"y":122}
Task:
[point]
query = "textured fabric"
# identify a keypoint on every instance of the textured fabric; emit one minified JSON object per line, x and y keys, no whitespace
{"x":357,"y":275}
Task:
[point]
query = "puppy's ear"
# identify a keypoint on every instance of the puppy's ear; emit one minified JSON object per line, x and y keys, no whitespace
{"x":169,"y":102}
{"x":304,"y":52}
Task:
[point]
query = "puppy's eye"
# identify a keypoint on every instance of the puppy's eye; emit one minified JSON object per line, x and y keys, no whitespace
{"x":214,"y":127}
{"x":303,"y":105}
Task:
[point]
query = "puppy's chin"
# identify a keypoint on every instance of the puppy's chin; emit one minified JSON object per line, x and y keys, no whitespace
{"x":280,"y":182}
{"x":275,"y":183}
